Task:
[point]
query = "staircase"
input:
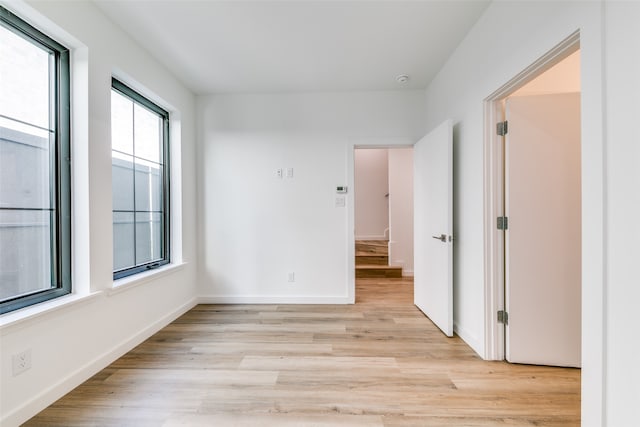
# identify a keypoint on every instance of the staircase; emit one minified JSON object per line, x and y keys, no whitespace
{"x":372,"y":260}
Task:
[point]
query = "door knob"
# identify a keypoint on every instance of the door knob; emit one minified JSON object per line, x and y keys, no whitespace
{"x":442,"y":237}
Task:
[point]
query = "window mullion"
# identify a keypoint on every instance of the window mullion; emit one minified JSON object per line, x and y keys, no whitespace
{"x":166,"y":194}
{"x":133,"y":165}
{"x":53,"y":271}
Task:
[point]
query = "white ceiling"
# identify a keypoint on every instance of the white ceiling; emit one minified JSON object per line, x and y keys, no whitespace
{"x":297,"y":46}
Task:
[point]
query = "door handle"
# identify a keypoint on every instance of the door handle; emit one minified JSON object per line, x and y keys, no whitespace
{"x":442,"y":238}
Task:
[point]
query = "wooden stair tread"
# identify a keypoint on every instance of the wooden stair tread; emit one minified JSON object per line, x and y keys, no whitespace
{"x":372,"y":259}
{"x":372,"y":247}
{"x":378,"y":267}
{"x":368,"y":254}
{"x":369,"y":270}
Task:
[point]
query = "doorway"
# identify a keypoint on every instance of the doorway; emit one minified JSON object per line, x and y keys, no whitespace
{"x":533,"y":214}
{"x":383,"y":211}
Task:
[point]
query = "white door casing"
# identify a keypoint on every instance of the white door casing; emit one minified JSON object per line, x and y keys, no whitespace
{"x":433,"y":218}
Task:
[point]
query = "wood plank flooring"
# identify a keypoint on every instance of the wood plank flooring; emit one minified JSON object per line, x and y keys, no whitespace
{"x":379,"y":362}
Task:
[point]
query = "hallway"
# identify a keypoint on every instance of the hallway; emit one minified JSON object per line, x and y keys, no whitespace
{"x":379,"y":362}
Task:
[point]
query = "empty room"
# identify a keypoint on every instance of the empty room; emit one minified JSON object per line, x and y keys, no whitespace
{"x":186,"y":239}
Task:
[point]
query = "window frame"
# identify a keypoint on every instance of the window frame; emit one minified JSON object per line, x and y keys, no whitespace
{"x":136,"y":97}
{"x":60,"y":177}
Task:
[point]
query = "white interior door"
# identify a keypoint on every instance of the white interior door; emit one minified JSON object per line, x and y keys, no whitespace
{"x":543,"y":240}
{"x":433,"y":226}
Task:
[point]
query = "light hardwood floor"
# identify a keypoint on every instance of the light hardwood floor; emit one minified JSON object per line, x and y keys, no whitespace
{"x":379,"y":362}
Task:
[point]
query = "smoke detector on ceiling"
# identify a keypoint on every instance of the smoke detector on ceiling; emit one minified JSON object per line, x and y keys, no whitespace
{"x":402,"y":78}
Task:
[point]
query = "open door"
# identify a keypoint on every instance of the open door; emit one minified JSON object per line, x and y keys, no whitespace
{"x":543,"y":237}
{"x":433,"y":226}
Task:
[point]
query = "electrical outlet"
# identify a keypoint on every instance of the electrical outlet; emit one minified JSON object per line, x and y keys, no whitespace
{"x":279,"y":172}
{"x":21,"y":362}
{"x":292,"y":277}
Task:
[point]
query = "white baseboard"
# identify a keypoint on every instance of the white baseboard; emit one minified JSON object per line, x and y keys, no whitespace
{"x":258,"y":299}
{"x":46,"y":397}
{"x":372,"y":237}
{"x":471,"y":341}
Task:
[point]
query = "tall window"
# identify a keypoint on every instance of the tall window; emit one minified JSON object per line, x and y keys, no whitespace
{"x":140,"y":182}
{"x":35,"y":207}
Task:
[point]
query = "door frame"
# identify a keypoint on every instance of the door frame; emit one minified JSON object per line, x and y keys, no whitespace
{"x":494,"y":181}
{"x":358,"y":143}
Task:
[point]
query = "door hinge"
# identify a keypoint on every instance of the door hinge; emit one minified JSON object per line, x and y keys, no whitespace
{"x":503,"y":223}
{"x":503,"y":317}
{"x":502,"y":128}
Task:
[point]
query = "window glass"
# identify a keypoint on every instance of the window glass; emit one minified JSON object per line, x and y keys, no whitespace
{"x":35,"y":194}
{"x":123,"y":240}
{"x":122,"y":180}
{"x":121,"y":123}
{"x":140,"y":182}
{"x":24,"y":80}
{"x":25,"y":260}
{"x":148,"y":186}
{"x":148,"y":129}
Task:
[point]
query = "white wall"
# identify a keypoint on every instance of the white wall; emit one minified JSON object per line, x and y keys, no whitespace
{"x":370,"y":193}
{"x":622,"y":68}
{"x":255,"y":227}
{"x":610,"y":177}
{"x":401,"y":209}
{"x":70,"y":341}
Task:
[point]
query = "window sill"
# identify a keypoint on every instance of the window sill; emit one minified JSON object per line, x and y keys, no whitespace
{"x":130,"y":282}
{"x":27,"y":315}
{"x":23,"y":317}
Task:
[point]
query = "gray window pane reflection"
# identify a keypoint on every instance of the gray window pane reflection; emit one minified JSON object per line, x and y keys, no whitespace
{"x":24,"y":170}
{"x":122,"y":182}
{"x":25,"y":252}
{"x":123,"y":240}
{"x":148,"y":237}
{"x":148,"y":186}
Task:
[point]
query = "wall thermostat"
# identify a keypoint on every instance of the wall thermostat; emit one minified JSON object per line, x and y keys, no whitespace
{"x":341,"y":189}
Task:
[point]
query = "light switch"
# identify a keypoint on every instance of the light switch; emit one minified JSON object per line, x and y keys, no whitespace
{"x":340,"y":202}
{"x":279,"y":172}
{"x":289,"y":173}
